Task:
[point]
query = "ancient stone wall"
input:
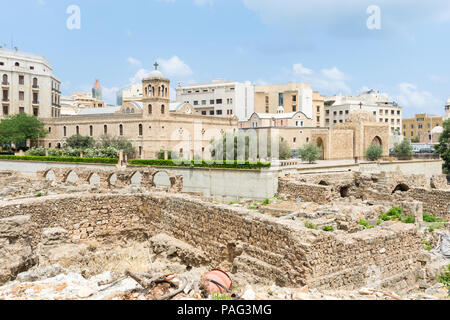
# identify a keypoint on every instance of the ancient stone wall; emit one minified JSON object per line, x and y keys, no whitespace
{"x":250,"y":243}
{"x":436,"y":202}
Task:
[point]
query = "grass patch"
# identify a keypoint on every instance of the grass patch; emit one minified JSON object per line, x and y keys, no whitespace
{"x":444,"y":278}
{"x":435,"y":227}
{"x":366,"y":224}
{"x":427,"y":217}
{"x":220,"y":296}
{"x":310,"y":225}
{"x":328,"y":228}
{"x":409,"y":219}
{"x":266,"y":202}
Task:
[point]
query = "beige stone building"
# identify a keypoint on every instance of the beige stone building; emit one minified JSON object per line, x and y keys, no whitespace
{"x":153,"y":124}
{"x":78,"y":101}
{"x":291,"y":97}
{"x":351,"y":139}
{"x":421,"y":126}
{"x":28,"y":85}
{"x":447,"y":110}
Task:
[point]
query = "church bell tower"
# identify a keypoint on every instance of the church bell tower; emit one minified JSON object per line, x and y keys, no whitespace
{"x":156,"y":95}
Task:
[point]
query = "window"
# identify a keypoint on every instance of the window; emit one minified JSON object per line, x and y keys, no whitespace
{"x":31,"y":68}
{"x":77,"y":130}
{"x":105,"y":129}
{"x":211,"y":101}
{"x":141,"y":130}
{"x":219,"y":101}
{"x":91,"y":131}
{"x":21,"y":80}
{"x":195,"y":103}
{"x":294,"y":98}
{"x":162,"y":109}
{"x":346,"y":111}
{"x":327,"y":112}
{"x":121,"y":130}
{"x":150,"y":109}
{"x":318,"y":108}
{"x":17,"y":64}
{"x":65,"y":131}
{"x":36,"y":112}
{"x":294,"y":108}
{"x":21,"y":95}
{"x":211,"y":113}
{"x":335,"y":113}
{"x":35,"y":83}
{"x":5,"y":110}
{"x":5,"y":79}
{"x":281,"y":99}
{"x":21,"y":110}
{"x":203,"y":102}
{"x":295,"y":140}
{"x":2,"y":63}
{"x":219,"y":112}
{"x":318,"y":119}
{"x":203,"y":113}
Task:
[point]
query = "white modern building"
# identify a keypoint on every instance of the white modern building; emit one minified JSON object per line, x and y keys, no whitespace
{"x":338,"y":108}
{"x":219,"y":98}
{"x":133,"y":92}
{"x":28,"y":85}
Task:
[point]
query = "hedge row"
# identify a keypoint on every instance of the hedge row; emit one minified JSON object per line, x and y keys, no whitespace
{"x":204,"y":164}
{"x":61,"y":159}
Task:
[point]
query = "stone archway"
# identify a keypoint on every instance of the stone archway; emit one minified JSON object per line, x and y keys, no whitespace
{"x":321,"y":145}
{"x":377,"y":141}
{"x":401,"y":187}
{"x":161,"y":179}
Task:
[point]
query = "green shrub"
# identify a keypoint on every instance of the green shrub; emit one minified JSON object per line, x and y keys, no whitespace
{"x":365,"y":224}
{"x":374,"y":152}
{"x":403,"y":150}
{"x":409,"y":219}
{"x":444,"y":278}
{"x":328,"y":228}
{"x":203,"y":164}
{"x":310,"y":225}
{"x":36,"y":152}
{"x":435,"y":227}
{"x":427,"y":245}
{"x":427,"y":217}
{"x":61,"y":159}
{"x":394,"y":213}
{"x":266,"y":202}
{"x":310,"y":152}
{"x":80,"y":142}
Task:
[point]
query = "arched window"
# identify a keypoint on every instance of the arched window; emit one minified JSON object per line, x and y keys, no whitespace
{"x":78,"y":130}
{"x":146,"y":91}
{"x":91,"y":130}
{"x":166,"y":93}
{"x":5,"y":79}
{"x":49,"y":129}
{"x":141,"y":131}
{"x":121,"y":130}
{"x":162,"y":91}
{"x":150,"y":91}
{"x":17,"y":64}
{"x":128,"y":110}
{"x":49,"y":145}
{"x":65,"y":131}
{"x":35,"y":82}
{"x":150,"y":109}
{"x":105,"y":129}
{"x":162,"y":109}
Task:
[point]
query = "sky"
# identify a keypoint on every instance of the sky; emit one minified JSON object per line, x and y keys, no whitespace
{"x":399,"y":47}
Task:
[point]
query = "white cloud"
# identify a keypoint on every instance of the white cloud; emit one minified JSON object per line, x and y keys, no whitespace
{"x":412,"y":99}
{"x":174,"y":67}
{"x":110,"y":94}
{"x":328,"y":81}
{"x":139,"y":75}
{"x":300,"y":70}
{"x":134,"y":61}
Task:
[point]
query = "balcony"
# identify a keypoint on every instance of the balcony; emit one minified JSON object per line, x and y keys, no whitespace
{"x":35,"y":102}
{"x":5,"y":99}
{"x":5,"y":84}
{"x":35,"y":87}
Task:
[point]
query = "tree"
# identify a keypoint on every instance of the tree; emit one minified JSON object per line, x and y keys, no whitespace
{"x":219,"y":148}
{"x":374,"y":152}
{"x":119,"y":143}
{"x":80,"y":142}
{"x":310,"y":152}
{"x":19,"y":128}
{"x":403,"y":150}
{"x":444,"y":146}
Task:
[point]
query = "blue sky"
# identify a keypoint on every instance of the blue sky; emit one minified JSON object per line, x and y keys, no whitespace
{"x":324,"y":42}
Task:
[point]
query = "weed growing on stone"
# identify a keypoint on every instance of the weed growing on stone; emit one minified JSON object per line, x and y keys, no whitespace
{"x":427,"y":217}
{"x":365,"y":224}
{"x":310,"y":225}
{"x":328,"y":228}
{"x":220,"y":296}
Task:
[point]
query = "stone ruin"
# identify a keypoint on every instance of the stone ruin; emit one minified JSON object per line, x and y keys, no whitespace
{"x":271,"y":244}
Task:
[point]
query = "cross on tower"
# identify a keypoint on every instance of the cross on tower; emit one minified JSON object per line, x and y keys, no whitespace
{"x":156,"y":65}
{"x":360,"y":105}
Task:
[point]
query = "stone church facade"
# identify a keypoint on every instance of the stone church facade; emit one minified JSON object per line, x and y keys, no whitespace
{"x":152,"y":124}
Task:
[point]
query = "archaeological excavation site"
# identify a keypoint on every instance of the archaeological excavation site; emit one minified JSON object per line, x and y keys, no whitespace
{"x":77,"y":233}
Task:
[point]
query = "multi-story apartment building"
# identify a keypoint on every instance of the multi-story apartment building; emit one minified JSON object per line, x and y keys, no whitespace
{"x":73,"y":104}
{"x":219,"y":98}
{"x":420,"y":128}
{"x":28,"y":85}
{"x":132,"y":92}
{"x":338,"y":108}
{"x":291,"y":97}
